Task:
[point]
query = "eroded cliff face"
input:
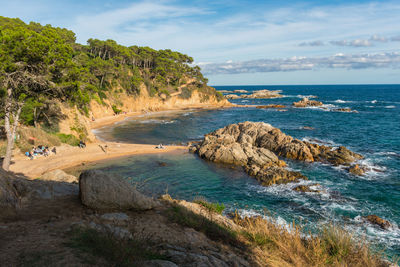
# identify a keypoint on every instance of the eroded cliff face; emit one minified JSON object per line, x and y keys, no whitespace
{"x":78,"y":124}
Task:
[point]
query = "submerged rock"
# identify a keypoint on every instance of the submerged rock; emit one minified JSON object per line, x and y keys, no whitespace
{"x":357,"y":170}
{"x":376,"y":220}
{"x":101,"y":191}
{"x":305,"y":102}
{"x":306,"y":188}
{"x":271,"y":106}
{"x":256,"y":147}
{"x":348,"y":110}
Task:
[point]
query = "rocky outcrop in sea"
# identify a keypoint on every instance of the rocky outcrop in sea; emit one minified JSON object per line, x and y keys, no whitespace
{"x":256,"y":147}
{"x":306,"y":102}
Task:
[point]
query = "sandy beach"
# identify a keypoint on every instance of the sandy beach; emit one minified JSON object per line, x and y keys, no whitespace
{"x":69,"y":156}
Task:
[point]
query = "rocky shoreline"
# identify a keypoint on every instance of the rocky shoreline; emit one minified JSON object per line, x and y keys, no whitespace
{"x":257,"y":146}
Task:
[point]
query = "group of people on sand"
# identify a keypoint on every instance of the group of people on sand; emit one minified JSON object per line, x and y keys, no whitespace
{"x":40,"y":150}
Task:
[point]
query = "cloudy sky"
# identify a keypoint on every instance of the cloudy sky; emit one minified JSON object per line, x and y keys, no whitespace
{"x":244,"y":42}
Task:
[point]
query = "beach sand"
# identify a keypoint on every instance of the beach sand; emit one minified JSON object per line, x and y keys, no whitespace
{"x":69,"y":156}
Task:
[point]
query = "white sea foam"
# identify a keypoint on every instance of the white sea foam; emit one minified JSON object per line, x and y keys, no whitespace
{"x":374,"y":101}
{"x":389,"y":237}
{"x":307,"y":96}
{"x":342,"y":101}
{"x":390,"y":106}
{"x":319,"y":141}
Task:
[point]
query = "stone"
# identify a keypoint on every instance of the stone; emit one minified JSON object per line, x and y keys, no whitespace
{"x":116,"y":218}
{"x":101,"y":191}
{"x":376,"y":220}
{"x":306,"y":102}
{"x":357,"y":170}
{"x":306,"y":188}
{"x":59,"y":176}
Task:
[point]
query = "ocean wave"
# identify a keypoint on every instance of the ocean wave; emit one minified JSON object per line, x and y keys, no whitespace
{"x":319,"y":141}
{"x":306,"y":96}
{"x":388,"y":153}
{"x":342,"y":101}
{"x":324,"y":107}
{"x":155,"y":121}
{"x":373,"y":101}
{"x":389,"y":237}
{"x":390,"y":106}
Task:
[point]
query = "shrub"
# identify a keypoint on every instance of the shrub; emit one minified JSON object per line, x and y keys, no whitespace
{"x":116,"y":110}
{"x":213,"y":230}
{"x":68,"y":139}
{"x":211,"y":207}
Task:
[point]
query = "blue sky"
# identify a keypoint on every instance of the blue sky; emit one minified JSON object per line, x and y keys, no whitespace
{"x":244,"y":42}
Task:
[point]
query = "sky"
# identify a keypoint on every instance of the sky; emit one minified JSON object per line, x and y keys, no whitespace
{"x":244,"y":42}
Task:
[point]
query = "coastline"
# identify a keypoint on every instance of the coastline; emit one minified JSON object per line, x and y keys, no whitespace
{"x":69,"y":156}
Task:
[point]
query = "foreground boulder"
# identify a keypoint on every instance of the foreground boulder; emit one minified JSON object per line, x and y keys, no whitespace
{"x":305,"y":102}
{"x":101,"y":191}
{"x":59,"y":176}
{"x":257,"y":145}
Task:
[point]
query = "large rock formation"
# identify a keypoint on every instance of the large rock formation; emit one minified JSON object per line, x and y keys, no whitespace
{"x":101,"y":191}
{"x":305,"y":102}
{"x":257,"y":145}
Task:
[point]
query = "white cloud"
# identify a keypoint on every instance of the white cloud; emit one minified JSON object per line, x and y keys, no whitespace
{"x":354,"y":43}
{"x":357,"y":61}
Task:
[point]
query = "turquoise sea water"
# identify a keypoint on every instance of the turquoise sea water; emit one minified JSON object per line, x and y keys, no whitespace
{"x":373,"y":132}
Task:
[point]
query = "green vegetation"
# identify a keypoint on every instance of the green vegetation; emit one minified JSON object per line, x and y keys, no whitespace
{"x":43,"y":66}
{"x":68,"y":139}
{"x":213,"y":230}
{"x":116,"y":252}
{"x":116,"y":110}
{"x":211,"y":207}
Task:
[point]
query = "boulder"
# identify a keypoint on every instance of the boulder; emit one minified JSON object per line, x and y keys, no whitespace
{"x":376,"y":220}
{"x":101,"y":191}
{"x":59,"y":176}
{"x":357,"y":170}
{"x":305,"y":102}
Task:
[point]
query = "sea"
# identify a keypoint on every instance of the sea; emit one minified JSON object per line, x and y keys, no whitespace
{"x":344,"y":199}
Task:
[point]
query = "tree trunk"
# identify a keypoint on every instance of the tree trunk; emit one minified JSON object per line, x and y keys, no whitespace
{"x":10,"y":130}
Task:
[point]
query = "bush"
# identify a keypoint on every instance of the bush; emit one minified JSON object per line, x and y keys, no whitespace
{"x":211,"y":207}
{"x":116,"y":110}
{"x":68,"y":139}
{"x":213,"y":230}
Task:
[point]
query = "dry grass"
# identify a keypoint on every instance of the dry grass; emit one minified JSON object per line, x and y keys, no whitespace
{"x":26,"y":141}
{"x":277,"y":246}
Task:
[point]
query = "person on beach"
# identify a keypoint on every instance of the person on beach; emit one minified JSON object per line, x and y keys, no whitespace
{"x":82,"y":144}
{"x":54,"y":150}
